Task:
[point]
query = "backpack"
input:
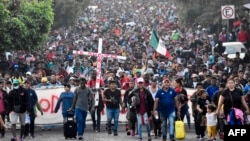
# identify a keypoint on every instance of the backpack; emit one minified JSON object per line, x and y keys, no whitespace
{"x":232,"y":118}
{"x":133,"y":99}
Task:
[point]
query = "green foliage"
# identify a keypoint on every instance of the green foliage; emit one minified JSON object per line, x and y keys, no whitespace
{"x":206,"y":11}
{"x":25,"y":27}
{"x":191,"y":15}
{"x":67,"y":12}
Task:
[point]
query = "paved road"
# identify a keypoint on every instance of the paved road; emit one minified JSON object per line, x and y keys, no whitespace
{"x":56,"y":134}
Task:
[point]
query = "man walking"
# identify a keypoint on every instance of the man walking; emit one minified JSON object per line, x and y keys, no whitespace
{"x":165,"y":103}
{"x":32,"y":97}
{"x":128,"y":103}
{"x":18,"y":105}
{"x":98,"y":103}
{"x":144,"y":108}
{"x":82,"y":98}
{"x":112,"y":97}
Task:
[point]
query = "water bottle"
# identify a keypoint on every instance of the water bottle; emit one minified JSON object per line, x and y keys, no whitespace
{"x":156,"y":115}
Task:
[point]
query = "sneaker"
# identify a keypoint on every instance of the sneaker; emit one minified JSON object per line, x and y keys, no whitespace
{"x":128,"y":133}
{"x":197,"y":136}
{"x":149,"y":138}
{"x":221,"y":134}
{"x":80,"y":138}
{"x":94,"y":127}
{"x":25,"y":136}
{"x":152,"y":133}
{"x":97,"y":130}
{"x":133,"y":132}
{"x":201,"y":139}
{"x":159,"y":134}
{"x":126,"y":127}
{"x":13,"y":139}
{"x":109,"y":131}
{"x":115,"y":134}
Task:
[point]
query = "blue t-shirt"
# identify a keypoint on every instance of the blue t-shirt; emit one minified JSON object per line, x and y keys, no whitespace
{"x":166,"y":101}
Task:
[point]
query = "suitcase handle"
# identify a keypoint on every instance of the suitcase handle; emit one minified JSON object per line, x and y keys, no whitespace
{"x":70,"y":113}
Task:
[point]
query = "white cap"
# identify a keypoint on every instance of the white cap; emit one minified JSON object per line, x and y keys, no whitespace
{"x":127,"y":72}
{"x":194,"y":75}
{"x":72,"y":78}
{"x":50,"y":48}
{"x":140,"y":80}
{"x":28,"y":73}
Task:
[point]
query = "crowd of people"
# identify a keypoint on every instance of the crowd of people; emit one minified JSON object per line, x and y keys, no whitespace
{"x":153,"y":82}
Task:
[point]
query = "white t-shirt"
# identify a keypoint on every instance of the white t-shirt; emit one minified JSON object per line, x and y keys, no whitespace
{"x":211,"y":119}
{"x":153,"y":93}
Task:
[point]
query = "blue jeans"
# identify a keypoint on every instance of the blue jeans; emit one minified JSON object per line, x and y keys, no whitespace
{"x":80,"y":121}
{"x":168,"y":121}
{"x":139,"y":121}
{"x":113,"y":114}
{"x":184,"y":112}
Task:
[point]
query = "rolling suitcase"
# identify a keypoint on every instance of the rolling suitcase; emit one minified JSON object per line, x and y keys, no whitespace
{"x":180,"y":130}
{"x":69,"y":126}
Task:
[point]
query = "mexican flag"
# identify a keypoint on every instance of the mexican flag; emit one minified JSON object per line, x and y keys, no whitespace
{"x":158,"y":45}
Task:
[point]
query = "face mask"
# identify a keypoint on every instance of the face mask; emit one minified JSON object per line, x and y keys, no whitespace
{"x":16,"y":87}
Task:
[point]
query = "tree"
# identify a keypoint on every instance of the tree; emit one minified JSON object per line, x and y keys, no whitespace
{"x":67,"y":12}
{"x":25,"y":24}
{"x":206,"y":11}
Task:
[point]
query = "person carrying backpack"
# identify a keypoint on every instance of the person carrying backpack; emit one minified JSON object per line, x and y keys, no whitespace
{"x":129,"y":104}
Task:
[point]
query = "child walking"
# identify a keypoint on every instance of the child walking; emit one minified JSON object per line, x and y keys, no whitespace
{"x":211,"y":122}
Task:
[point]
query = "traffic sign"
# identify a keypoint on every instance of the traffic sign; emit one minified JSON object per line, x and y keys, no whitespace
{"x":228,"y":12}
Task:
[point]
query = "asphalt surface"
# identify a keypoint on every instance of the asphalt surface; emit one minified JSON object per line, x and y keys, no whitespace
{"x":56,"y":134}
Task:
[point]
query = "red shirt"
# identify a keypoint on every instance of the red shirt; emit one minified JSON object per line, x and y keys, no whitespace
{"x":91,"y":83}
{"x":64,"y":73}
{"x":41,"y":71}
{"x":124,"y":80}
{"x":50,"y":55}
{"x":142,"y":108}
{"x":237,"y":23}
{"x":242,"y":36}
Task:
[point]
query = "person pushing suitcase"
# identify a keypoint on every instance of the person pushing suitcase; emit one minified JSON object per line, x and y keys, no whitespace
{"x":82,"y":97}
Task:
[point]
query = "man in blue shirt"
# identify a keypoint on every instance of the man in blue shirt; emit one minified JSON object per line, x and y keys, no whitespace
{"x":212,"y":88}
{"x":29,"y":128}
{"x":165,"y":103}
